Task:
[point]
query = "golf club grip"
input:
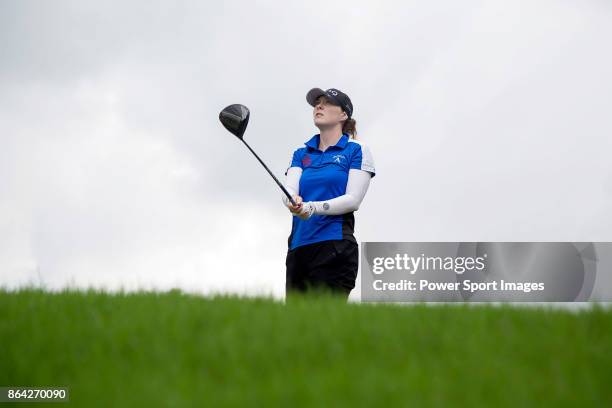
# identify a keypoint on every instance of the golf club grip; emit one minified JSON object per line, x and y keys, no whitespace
{"x":273,"y":176}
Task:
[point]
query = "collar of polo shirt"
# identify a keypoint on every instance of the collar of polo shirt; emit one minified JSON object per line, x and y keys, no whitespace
{"x":314,"y":142}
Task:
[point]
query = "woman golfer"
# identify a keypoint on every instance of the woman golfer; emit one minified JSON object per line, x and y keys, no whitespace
{"x":328,"y":179}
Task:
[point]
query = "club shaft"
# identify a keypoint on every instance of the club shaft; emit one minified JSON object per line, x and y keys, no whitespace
{"x":273,"y":176}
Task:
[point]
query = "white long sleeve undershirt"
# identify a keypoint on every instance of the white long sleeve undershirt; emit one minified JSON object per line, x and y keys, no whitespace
{"x":356,"y":188}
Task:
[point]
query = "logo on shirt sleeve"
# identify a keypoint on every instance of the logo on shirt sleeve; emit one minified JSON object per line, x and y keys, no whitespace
{"x":306,"y":160}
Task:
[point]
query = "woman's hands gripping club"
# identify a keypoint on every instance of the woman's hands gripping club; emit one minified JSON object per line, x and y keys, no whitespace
{"x":301,"y":209}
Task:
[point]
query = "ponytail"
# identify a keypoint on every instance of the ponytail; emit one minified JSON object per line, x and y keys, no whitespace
{"x":350,"y":126}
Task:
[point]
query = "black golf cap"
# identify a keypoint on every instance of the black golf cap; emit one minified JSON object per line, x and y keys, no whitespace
{"x":335,"y":95}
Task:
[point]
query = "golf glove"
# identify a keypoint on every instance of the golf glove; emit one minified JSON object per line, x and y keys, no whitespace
{"x":308,"y":208}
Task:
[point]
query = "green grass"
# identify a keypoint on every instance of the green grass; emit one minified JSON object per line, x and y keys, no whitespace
{"x":174,"y":349}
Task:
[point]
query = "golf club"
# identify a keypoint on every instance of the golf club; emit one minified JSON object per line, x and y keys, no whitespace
{"x":235,"y":118}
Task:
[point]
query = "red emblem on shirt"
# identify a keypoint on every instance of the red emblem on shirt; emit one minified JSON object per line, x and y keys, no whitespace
{"x":306,"y":161}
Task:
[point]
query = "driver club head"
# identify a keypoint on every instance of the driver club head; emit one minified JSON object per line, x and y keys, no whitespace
{"x":235,"y":118}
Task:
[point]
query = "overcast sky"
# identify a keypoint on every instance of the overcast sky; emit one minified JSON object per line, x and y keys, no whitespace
{"x":488,"y":121}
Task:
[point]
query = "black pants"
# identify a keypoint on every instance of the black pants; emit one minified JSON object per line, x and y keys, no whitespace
{"x":326,"y":265}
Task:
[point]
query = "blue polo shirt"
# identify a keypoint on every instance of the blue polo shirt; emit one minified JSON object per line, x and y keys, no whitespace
{"x":324,"y":176}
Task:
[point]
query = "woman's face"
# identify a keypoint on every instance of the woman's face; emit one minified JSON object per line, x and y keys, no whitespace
{"x":325,"y":113}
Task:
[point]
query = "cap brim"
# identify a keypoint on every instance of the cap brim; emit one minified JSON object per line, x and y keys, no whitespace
{"x":313,"y":94}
